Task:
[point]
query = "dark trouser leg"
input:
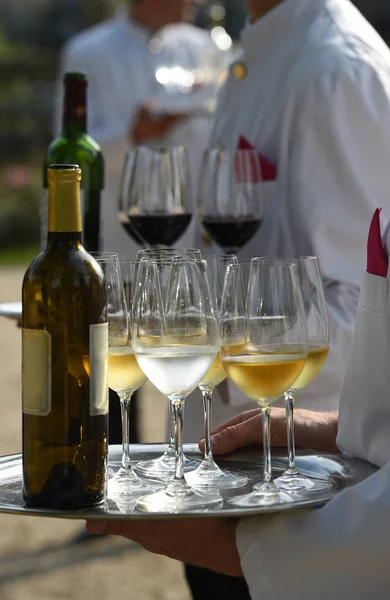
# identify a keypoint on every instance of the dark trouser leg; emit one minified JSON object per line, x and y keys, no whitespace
{"x":208,"y":585}
{"x":115,"y":431}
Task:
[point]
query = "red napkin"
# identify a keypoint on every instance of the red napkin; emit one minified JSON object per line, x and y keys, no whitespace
{"x":376,"y":254}
{"x":268,"y":171}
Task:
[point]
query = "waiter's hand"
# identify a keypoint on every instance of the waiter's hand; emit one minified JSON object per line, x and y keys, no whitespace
{"x":313,"y":431}
{"x":208,"y":543}
{"x":148,"y":125}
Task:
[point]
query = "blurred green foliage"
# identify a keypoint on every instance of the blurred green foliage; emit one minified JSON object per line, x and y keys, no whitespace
{"x":19,"y":206}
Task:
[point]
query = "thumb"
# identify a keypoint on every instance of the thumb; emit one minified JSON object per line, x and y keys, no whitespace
{"x":236,"y":436}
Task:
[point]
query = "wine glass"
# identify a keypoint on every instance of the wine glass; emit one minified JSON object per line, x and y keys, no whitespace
{"x":155,"y":195}
{"x":264,"y":347}
{"x":318,"y":349}
{"x":124,"y":191}
{"x":164,"y":466}
{"x":124,"y":373}
{"x":208,"y":474}
{"x":175,"y":342}
{"x":231,"y":197}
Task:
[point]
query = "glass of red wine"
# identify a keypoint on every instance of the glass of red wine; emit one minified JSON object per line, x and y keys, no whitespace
{"x":230,"y":197}
{"x":155,"y":204}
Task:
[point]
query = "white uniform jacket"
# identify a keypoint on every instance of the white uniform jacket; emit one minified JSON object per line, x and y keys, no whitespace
{"x":342,"y":550}
{"x":121,"y":73}
{"x":315,"y":101}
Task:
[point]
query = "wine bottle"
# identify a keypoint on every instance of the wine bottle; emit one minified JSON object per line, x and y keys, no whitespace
{"x":75,"y":146}
{"x":64,"y":360}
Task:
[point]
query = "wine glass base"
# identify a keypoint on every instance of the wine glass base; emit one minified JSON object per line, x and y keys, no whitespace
{"x":127,"y":483}
{"x":262,"y":495}
{"x":209,"y":476}
{"x":164,"y":502}
{"x":301,"y":483}
{"x":163,"y":467}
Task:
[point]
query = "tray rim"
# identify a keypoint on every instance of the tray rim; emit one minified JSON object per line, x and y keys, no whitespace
{"x":361,"y":470}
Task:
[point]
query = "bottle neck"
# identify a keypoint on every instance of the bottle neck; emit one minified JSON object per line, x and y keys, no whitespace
{"x":74,"y":119}
{"x":64,"y":218}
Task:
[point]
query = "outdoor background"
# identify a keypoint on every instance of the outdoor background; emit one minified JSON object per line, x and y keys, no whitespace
{"x":39,"y":557}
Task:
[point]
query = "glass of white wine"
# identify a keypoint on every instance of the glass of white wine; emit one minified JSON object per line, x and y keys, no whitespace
{"x":163,"y":467}
{"x":124,"y":373}
{"x":176,"y":340}
{"x":264,"y":347}
{"x":209,"y":475}
{"x":318,"y":348}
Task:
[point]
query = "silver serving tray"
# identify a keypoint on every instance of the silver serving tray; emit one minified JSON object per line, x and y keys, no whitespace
{"x":11,"y":310}
{"x":342,"y":473}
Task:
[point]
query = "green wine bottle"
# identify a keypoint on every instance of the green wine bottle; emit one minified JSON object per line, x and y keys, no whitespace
{"x":64,"y":360}
{"x":76,"y":146}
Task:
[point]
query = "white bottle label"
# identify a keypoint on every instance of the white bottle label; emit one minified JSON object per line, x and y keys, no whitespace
{"x":36,"y":372}
{"x":98,"y":349}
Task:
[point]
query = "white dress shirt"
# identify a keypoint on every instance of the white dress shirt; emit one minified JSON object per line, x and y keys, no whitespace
{"x":121,"y":70}
{"x":339,"y":551}
{"x":315,"y":101}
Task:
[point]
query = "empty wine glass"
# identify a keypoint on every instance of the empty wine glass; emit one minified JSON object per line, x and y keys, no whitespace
{"x":208,"y":474}
{"x":264,"y":347}
{"x":175,"y":342}
{"x":124,"y":373}
{"x":155,"y":195}
{"x":231,"y":197}
{"x":318,"y":348}
{"x":164,"y":466}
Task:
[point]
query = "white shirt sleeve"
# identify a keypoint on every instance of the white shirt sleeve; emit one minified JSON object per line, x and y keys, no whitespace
{"x":339,"y":551}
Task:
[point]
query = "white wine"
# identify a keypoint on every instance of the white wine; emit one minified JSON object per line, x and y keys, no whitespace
{"x":124,"y":372}
{"x":215,"y":375}
{"x":264,"y":377}
{"x":64,"y":361}
{"x":176,"y":370}
{"x":316,"y":358}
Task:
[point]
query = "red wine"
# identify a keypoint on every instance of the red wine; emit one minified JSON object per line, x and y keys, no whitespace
{"x":231,"y":233}
{"x":128,"y":227}
{"x":158,"y":230}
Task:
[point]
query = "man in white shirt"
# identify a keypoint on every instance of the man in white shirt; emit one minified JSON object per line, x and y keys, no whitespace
{"x":310,"y":92}
{"x":121,"y":64}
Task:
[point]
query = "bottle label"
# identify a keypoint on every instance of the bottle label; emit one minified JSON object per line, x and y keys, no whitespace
{"x":98,"y":356}
{"x":36,"y":372}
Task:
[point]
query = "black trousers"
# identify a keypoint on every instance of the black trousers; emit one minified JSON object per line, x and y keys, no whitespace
{"x":115,"y":422}
{"x":208,"y":585}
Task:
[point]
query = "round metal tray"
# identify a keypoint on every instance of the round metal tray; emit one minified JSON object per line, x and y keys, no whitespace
{"x":340,"y":471}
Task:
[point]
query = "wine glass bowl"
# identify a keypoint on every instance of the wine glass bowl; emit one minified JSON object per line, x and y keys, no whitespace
{"x":231,"y":198}
{"x":155,"y":197}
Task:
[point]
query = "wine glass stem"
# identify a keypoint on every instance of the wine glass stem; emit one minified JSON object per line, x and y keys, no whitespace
{"x":178,"y":410}
{"x":125,"y":398}
{"x":207,"y":395}
{"x":266,"y":424}
{"x":289,"y":398}
{"x":171,"y":420}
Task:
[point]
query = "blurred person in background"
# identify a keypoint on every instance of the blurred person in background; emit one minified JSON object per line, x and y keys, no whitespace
{"x":121,"y":57}
{"x":310,"y":92}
